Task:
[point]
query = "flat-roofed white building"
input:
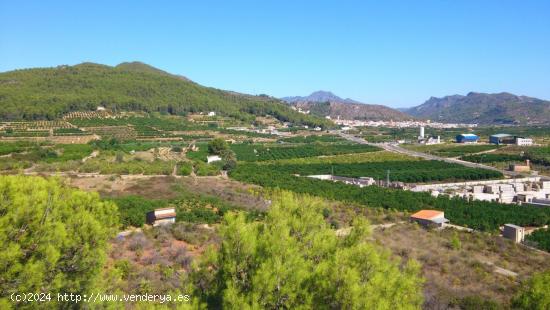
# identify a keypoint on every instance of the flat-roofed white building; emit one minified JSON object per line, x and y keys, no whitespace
{"x":213,"y":158}
{"x":524,"y":141}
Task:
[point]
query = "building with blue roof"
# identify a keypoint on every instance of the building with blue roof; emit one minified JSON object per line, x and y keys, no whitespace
{"x":467,"y":138}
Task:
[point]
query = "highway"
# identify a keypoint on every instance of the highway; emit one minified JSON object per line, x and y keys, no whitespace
{"x":393,"y":147}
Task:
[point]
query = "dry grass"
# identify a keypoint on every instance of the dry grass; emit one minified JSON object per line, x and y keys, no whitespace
{"x":169,"y":187}
{"x":453,"y":274}
{"x":157,"y":260}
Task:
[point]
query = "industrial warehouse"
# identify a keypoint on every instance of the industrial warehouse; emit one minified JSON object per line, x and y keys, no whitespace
{"x":467,"y":138}
{"x":503,"y":138}
{"x":498,"y":139}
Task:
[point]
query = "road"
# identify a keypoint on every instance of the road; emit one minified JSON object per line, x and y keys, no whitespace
{"x":391,"y":147}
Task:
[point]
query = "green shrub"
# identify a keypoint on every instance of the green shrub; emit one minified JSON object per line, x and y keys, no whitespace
{"x":133,"y":209}
{"x":185,"y":168}
{"x":203,"y":169}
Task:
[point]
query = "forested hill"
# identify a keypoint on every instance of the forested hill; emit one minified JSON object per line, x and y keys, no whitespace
{"x":501,"y":108}
{"x":48,"y":93}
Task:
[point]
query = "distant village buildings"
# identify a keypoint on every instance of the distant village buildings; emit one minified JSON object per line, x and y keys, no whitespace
{"x":400,"y":124}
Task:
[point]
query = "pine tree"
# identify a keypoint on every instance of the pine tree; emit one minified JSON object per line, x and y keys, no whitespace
{"x":293,"y":260}
{"x":53,"y":238}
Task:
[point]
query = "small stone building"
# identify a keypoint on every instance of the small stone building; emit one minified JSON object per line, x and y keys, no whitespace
{"x":163,"y":216}
{"x":521,"y":167}
{"x":430,"y":218}
{"x":513,"y":232}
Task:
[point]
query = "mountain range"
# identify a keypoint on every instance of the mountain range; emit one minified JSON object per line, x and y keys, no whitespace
{"x":325,"y":103}
{"x":48,"y":93}
{"x":486,"y":109}
{"x":319,"y":96}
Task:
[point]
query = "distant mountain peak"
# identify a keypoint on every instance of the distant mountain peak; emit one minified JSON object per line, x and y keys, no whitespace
{"x":484,"y":108}
{"x":319,"y":96}
{"x":325,"y":103}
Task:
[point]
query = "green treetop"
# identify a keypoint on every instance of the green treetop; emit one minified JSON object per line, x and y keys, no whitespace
{"x":217,"y":146}
{"x":535,"y":293}
{"x":294,"y":260}
{"x":53,"y":238}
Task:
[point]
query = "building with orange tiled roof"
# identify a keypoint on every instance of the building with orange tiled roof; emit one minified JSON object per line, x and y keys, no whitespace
{"x":430,"y":218}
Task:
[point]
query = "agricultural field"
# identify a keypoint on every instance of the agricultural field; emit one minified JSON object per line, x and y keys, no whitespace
{"x":125,"y":127}
{"x":540,"y":239}
{"x":493,"y":158}
{"x":190,"y":208}
{"x":539,"y":157}
{"x":484,"y":216}
{"x":20,"y":155}
{"x":7,"y":148}
{"x":69,"y":132}
{"x":251,"y":152}
{"x":312,"y":139}
{"x":263,"y":152}
{"x":370,"y":157}
{"x":451,"y":149}
{"x":404,"y":171}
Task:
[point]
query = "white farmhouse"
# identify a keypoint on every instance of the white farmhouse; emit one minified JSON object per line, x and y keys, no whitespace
{"x":213,"y":158}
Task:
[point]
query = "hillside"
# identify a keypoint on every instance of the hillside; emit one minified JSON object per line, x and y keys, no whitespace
{"x":48,"y":93}
{"x":137,"y":66}
{"x":323,"y":103}
{"x":501,"y":108}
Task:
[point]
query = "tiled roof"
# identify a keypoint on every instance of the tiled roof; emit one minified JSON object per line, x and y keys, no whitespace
{"x":165,"y":216}
{"x":427,"y":214}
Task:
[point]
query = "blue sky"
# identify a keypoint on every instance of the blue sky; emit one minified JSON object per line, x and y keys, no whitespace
{"x":397,"y":53}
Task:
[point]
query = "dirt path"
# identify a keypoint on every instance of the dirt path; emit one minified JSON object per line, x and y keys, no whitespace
{"x":478,"y":153}
{"x":346,"y":230}
{"x":93,"y":155}
{"x":500,"y":270}
{"x":175,"y":171}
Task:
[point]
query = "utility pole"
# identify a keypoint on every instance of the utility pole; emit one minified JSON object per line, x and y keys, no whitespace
{"x":387,"y":178}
